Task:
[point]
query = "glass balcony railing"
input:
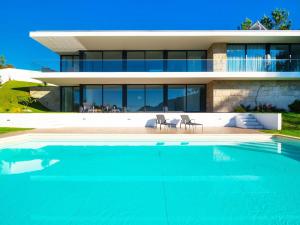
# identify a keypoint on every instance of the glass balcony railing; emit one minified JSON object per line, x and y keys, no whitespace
{"x":263,"y":65}
{"x":172,"y":65}
{"x":155,"y":65}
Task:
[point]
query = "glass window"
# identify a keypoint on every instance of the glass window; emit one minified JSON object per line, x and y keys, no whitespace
{"x":67,"y":99}
{"x":92,"y":61}
{"x":154,"y":61}
{"x":112,"y":61}
{"x":295,"y":52}
{"x":135,"y":98}
{"x":76,"y":99}
{"x":236,"y":55}
{"x":112,"y":98}
{"x":196,"y":61}
{"x":135,"y":61}
{"x":279,"y":58}
{"x":76,"y":62}
{"x":92,"y":96}
{"x":194,"y":93}
{"x":176,"y":97}
{"x":177,"y":61}
{"x":69,"y":64}
{"x":154,"y":98}
{"x":256,"y":55}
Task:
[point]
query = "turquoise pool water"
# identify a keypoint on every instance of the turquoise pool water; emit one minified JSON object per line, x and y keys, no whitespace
{"x":153,"y":184}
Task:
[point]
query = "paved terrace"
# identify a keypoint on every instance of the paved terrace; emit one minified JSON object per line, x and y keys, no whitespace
{"x":89,"y":130}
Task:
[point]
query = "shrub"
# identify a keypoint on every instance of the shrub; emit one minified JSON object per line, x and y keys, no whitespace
{"x":242,"y":108}
{"x":260,"y":108}
{"x":268,"y":108}
{"x":295,"y":106}
{"x":239,"y":109}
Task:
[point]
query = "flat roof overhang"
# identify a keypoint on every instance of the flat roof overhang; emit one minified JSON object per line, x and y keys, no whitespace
{"x":66,"y":42}
{"x":77,"y":78}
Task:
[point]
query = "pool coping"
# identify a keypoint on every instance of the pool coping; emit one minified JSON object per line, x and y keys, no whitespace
{"x":81,"y":137}
{"x":286,"y":136}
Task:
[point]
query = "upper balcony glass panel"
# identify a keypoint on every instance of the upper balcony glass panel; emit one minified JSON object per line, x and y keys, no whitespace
{"x":240,"y":58}
{"x":263,"y":57}
{"x":135,"y":65}
{"x":177,"y":65}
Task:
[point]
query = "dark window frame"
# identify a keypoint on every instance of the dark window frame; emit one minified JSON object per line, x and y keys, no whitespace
{"x":165,"y":87}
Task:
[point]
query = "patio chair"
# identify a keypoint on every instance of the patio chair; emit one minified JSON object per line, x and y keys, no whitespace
{"x":185,"y":119}
{"x":161,"y":120}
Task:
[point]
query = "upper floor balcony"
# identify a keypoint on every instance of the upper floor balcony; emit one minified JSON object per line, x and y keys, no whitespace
{"x":179,"y":65}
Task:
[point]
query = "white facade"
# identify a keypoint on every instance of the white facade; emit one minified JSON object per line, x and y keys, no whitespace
{"x":274,"y":73}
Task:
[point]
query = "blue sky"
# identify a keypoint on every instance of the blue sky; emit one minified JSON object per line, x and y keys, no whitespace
{"x":20,"y":17}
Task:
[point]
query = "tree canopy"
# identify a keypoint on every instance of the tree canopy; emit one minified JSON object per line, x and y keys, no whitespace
{"x":278,"y":20}
{"x":3,"y":64}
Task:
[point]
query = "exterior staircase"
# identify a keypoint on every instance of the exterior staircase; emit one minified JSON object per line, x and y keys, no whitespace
{"x":247,"y":121}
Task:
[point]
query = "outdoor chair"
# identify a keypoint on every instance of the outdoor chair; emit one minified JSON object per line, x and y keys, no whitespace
{"x":161,"y":120}
{"x":185,"y":119}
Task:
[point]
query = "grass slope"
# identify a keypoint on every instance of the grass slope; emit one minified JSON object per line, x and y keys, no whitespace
{"x":290,"y":125}
{"x":9,"y":94}
{"x":11,"y":129}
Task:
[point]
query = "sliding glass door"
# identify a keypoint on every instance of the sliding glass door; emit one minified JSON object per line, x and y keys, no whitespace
{"x":135,"y":98}
{"x":92,"y":96}
{"x":256,"y":58}
{"x":70,"y":97}
{"x":236,"y":55}
{"x":154,"y":98}
{"x":154,"y":61}
{"x":112,"y":98}
{"x":280,"y":58}
{"x":176,"y":98}
{"x":92,"y":61}
{"x":177,"y":61}
{"x":112,"y":61}
{"x":135,"y":61}
{"x":295,"y":62}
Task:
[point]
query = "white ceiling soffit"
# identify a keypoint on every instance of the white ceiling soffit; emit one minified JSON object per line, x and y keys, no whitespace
{"x":76,"y":78}
{"x":73,"y":41}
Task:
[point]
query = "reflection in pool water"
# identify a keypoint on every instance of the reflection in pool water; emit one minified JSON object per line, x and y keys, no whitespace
{"x":25,"y":166}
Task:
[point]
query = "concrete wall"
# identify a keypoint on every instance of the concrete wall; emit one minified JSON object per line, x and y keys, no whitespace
{"x":271,"y":121}
{"x":48,"y":96}
{"x":52,"y":120}
{"x":217,"y":52}
{"x":227,"y":95}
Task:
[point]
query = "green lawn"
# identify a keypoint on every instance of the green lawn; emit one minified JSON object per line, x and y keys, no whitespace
{"x":10,"y":94}
{"x":11,"y":129}
{"x":290,"y":125}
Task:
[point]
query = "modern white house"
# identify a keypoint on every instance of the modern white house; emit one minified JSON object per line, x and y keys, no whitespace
{"x":170,"y":71}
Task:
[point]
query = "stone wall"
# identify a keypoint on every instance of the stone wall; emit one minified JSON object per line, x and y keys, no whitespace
{"x":217,"y":52}
{"x":48,"y":96}
{"x":227,"y":95}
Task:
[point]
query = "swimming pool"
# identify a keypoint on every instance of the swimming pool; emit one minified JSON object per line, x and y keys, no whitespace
{"x":150,"y":182}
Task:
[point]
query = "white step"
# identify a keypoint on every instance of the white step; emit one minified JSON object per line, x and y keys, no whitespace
{"x":247,"y":121}
{"x":252,"y":123}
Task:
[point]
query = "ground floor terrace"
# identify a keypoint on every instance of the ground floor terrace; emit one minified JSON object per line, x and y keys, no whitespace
{"x":134,"y":132}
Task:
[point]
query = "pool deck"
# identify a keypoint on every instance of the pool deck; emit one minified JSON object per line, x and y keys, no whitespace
{"x":122,"y":130}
